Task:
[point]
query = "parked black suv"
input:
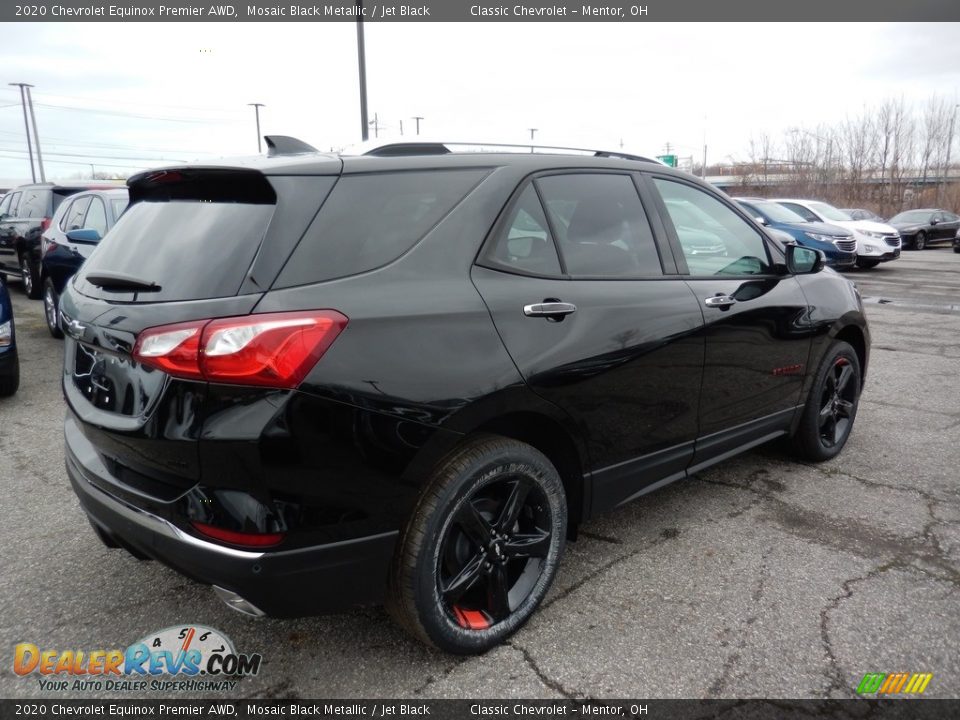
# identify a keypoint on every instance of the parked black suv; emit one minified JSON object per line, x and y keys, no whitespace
{"x":318,"y":381}
{"x":25,"y":212}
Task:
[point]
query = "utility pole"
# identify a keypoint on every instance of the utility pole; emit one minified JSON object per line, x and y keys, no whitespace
{"x":532,"y":131}
{"x":26,"y":126}
{"x":703,"y":168}
{"x":256,"y":111}
{"x":376,"y":126}
{"x":36,"y":135}
{"x":401,"y":128}
{"x":418,"y":118}
{"x":362,"y":67}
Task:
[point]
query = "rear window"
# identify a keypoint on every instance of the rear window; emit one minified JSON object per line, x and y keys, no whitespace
{"x":371,"y":220}
{"x":35,"y":204}
{"x":193,"y":250}
{"x":193,"y":232}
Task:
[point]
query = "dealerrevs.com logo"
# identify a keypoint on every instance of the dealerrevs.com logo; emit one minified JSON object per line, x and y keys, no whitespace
{"x":188,"y":658}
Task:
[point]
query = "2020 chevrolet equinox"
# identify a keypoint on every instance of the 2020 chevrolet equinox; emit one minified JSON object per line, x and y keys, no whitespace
{"x":314,"y":381}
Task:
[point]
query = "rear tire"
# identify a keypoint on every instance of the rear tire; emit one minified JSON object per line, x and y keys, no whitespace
{"x":11,"y":381}
{"x":481,"y":548}
{"x":920,"y":241}
{"x":30,"y":277}
{"x":831,"y":407}
{"x":51,"y":308}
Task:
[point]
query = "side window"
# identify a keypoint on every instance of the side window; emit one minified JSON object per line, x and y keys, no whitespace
{"x":371,"y":220}
{"x":715,"y":240}
{"x":801,"y":211}
{"x":5,"y":204}
{"x":64,"y":215}
{"x":96,"y":216}
{"x":74,"y":217}
{"x":15,"y":204}
{"x":602,"y":229}
{"x":525,"y":243}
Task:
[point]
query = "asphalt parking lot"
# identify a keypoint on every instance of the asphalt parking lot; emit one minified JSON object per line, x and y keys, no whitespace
{"x":761,"y":577}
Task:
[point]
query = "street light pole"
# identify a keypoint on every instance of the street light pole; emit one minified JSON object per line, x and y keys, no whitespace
{"x":36,"y":135}
{"x":26,"y":126}
{"x":362,"y":67}
{"x":256,"y":111}
{"x":418,"y":118}
{"x":532,"y":131}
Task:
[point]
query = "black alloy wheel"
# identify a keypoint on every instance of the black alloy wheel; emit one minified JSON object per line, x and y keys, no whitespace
{"x":482,"y":547}
{"x":51,"y":308}
{"x":837,"y":403}
{"x":920,"y":241}
{"x":831,"y":407}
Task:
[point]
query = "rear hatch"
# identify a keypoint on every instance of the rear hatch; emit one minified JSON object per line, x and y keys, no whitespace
{"x":195,"y":244}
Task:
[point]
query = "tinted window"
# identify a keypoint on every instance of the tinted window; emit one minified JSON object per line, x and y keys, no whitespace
{"x":601,"y":226}
{"x":35,"y":204}
{"x":371,"y":220}
{"x":192,"y":249}
{"x":118,"y":205}
{"x":62,"y":224}
{"x":525,"y":243}
{"x":801,"y":211}
{"x":5,"y":204}
{"x":96,"y":216}
{"x":715,"y":240}
{"x":15,"y":204}
{"x":74,"y":217}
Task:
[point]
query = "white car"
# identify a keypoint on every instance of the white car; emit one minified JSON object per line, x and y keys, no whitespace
{"x":876,"y":242}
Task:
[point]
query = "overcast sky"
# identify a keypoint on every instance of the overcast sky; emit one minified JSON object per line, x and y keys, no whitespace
{"x":125,"y":96}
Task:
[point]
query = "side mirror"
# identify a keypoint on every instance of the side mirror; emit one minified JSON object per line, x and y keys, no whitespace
{"x":804,"y":261}
{"x":761,"y":221}
{"x":84,"y":236}
{"x":934,"y":221}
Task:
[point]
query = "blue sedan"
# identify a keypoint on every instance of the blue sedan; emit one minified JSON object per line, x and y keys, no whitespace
{"x":9,"y":362}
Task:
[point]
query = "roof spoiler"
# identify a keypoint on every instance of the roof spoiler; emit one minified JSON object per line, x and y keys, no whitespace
{"x":286,"y":145}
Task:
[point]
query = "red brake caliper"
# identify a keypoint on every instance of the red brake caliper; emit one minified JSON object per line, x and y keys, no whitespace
{"x":471,"y":619}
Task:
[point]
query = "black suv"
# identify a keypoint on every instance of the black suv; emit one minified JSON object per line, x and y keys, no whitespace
{"x":316,"y":381}
{"x":25,"y":213}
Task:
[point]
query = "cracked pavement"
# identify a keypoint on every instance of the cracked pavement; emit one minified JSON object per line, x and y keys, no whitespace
{"x":761,"y":577}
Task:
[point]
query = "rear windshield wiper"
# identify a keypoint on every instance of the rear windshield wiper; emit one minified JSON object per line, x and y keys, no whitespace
{"x":118,"y":281}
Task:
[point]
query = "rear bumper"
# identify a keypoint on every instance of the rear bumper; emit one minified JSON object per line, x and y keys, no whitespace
{"x":292,"y":583}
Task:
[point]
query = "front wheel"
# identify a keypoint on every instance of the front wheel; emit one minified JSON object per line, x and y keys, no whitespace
{"x":51,"y":308}
{"x":831,"y":406}
{"x":30,"y":276}
{"x":920,"y":241}
{"x":481,"y":548}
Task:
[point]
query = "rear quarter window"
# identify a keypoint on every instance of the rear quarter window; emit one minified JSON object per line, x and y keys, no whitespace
{"x":370,"y":220}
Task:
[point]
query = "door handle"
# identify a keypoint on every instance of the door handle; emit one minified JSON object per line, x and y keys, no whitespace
{"x":550,"y":309}
{"x":720,"y":301}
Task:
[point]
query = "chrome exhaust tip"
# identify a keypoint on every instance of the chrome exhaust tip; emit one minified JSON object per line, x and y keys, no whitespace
{"x":235,"y":602}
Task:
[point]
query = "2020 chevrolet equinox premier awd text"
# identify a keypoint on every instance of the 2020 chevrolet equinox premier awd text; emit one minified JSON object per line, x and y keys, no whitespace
{"x":315,"y":381}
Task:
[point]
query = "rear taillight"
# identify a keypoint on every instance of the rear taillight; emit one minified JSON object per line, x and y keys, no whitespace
{"x":272,"y":350}
{"x":243,"y":539}
{"x":44,"y":224}
{"x":47,"y":246}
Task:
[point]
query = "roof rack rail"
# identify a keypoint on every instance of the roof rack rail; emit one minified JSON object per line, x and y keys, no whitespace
{"x":398,"y":149}
{"x":286,"y":145}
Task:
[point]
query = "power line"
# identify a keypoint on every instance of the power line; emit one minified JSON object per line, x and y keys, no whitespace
{"x":69,"y":142}
{"x":116,"y":113}
{"x":137,"y":103}
{"x":86,"y":164}
{"x":96,"y":156}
